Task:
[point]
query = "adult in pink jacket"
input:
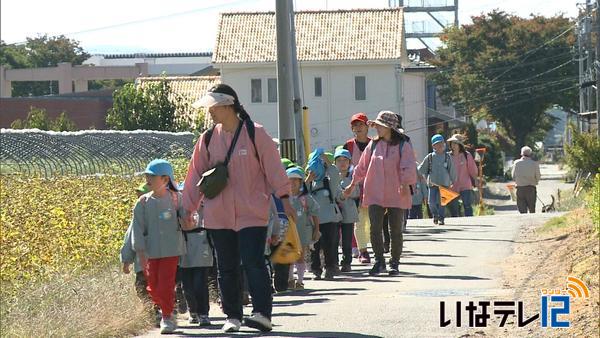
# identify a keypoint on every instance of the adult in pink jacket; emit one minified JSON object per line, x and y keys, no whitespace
{"x":466,"y":175}
{"x":387,"y":169}
{"x":236,"y":219}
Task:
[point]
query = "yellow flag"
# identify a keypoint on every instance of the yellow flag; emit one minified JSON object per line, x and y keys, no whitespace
{"x":290,"y":249}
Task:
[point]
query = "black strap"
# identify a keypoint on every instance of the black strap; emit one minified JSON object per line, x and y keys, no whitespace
{"x":251,"y":132}
{"x":325,"y":186}
{"x":233,"y":142}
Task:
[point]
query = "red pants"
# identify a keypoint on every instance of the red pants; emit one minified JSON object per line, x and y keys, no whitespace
{"x":160,"y":274}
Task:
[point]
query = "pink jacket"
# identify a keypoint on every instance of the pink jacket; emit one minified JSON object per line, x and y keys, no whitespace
{"x":383,"y":174}
{"x":245,"y":201}
{"x":465,"y":169}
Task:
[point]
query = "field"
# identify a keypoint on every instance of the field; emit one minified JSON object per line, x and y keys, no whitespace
{"x":60,"y":242}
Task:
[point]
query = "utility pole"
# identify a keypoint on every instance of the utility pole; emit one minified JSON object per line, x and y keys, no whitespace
{"x":589,"y":69}
{"x":284,"y":79}
{"x":300,"y":153}
{"x":580,"y":29}
{"x":597,"y":65}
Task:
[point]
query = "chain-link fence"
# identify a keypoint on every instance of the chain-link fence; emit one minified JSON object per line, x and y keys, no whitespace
{"x":44,"y":153}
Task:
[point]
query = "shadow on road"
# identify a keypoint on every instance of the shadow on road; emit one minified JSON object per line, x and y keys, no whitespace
{"x":417,"y":275}
{"x":275,"y":333}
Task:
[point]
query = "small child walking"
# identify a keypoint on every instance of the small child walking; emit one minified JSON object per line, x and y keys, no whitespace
{"x":348,"y":207}
{"x":307,"y":222}
{"x":195,"y":267}
{"x":157,"y":238}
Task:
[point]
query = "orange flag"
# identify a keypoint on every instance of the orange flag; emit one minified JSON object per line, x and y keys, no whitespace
{"x":447,"y":195}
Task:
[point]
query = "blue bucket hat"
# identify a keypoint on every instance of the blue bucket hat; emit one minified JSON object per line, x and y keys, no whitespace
{"x":437,"y":138}
{"x":160,"y":167}
{"x":343,"y":153}
{"x":295,"y":172}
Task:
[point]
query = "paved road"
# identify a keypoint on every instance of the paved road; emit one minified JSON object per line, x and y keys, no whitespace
{"x":458,"y":261}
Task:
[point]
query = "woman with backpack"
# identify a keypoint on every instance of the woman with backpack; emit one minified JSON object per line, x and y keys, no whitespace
{"x":466,"y":175}
{"x":387,"y":169}
{"x":237,"y":167}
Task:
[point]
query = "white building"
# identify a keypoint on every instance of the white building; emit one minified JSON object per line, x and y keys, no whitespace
{"x":158,"y":63}
{"x":350,"y":61}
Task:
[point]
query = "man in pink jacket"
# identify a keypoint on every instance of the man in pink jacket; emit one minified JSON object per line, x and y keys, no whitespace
{"x":387,"y":169}
{"x":236,"y":219}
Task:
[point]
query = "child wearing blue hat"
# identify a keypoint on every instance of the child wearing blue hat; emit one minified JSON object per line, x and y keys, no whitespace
{"x":157,"y":238}
{"x":307,"y":222}
{"x":439,"y":170}
{"x":323,"y":180}
{"x":343,"y":160}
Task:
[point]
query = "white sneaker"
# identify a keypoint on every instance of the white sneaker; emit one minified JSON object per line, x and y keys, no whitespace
{"x":204,"y":320}
{"x":168,"y":325}
{"x":231,"y":325}
{"x":258,"y":321}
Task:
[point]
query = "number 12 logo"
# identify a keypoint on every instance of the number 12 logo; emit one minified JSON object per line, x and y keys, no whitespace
{"x":555,"y":311}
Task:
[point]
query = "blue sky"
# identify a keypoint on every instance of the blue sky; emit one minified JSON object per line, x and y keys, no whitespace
{"x":112,"y":26}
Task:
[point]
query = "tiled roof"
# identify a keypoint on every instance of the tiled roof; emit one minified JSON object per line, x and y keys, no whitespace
{"x":191,"y":87}
{"x":362,"y":34}
{"x":155,"y":55}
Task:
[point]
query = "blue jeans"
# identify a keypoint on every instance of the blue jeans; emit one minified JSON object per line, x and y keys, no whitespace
{"x":247,"y":246}
{"x":416,"y":212}
{"x":467,"y":199}
{"x":435,"y":201}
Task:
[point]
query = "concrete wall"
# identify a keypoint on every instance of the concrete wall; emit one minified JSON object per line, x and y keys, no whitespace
{"x":330,"y":114}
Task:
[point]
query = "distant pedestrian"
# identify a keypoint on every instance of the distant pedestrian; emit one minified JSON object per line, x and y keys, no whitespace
{"x":466,"y":175}
{"x":439,"y":170}
{"x":526,"y":173}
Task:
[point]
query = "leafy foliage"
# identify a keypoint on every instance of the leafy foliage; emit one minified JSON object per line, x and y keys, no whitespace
{"x":509,"y":69}
{"x":38,"y":118}
{"x":41,"y":51}
{"x":584,"y":152}
{"x":153,"y":106}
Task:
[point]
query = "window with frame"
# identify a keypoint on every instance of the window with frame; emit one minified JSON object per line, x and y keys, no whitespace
{"x":256,"y":90}
{"x":272,"y":90}
{"x":318,"y":87}
{"x":360,"y":88}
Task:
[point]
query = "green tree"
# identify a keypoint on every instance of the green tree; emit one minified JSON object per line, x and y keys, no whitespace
{"x":153,"y":106}
{"x":509,"y":69}
{"x":41,"y":51}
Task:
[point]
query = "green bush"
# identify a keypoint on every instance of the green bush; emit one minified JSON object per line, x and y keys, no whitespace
{"x":584,"y":152}
{"x":593,"y":202}
{"x":493,"y":166}
{"x":38,"y":118}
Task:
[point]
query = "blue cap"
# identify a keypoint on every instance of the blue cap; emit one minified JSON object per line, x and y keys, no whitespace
{"x":160,"y":167}
{"x":437,"y":138}
{"x":343,"y":153}
{"x":295,"y":172}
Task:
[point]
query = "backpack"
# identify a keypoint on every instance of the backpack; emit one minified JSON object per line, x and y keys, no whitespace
{"x":430,"y":160}
{"x":249,"y":126}
{"x":324,"y":187}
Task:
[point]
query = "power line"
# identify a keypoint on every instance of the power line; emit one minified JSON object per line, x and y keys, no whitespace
{"x":162,"y":17}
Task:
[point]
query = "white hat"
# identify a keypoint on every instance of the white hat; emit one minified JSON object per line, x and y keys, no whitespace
{"x":212,"y":99}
